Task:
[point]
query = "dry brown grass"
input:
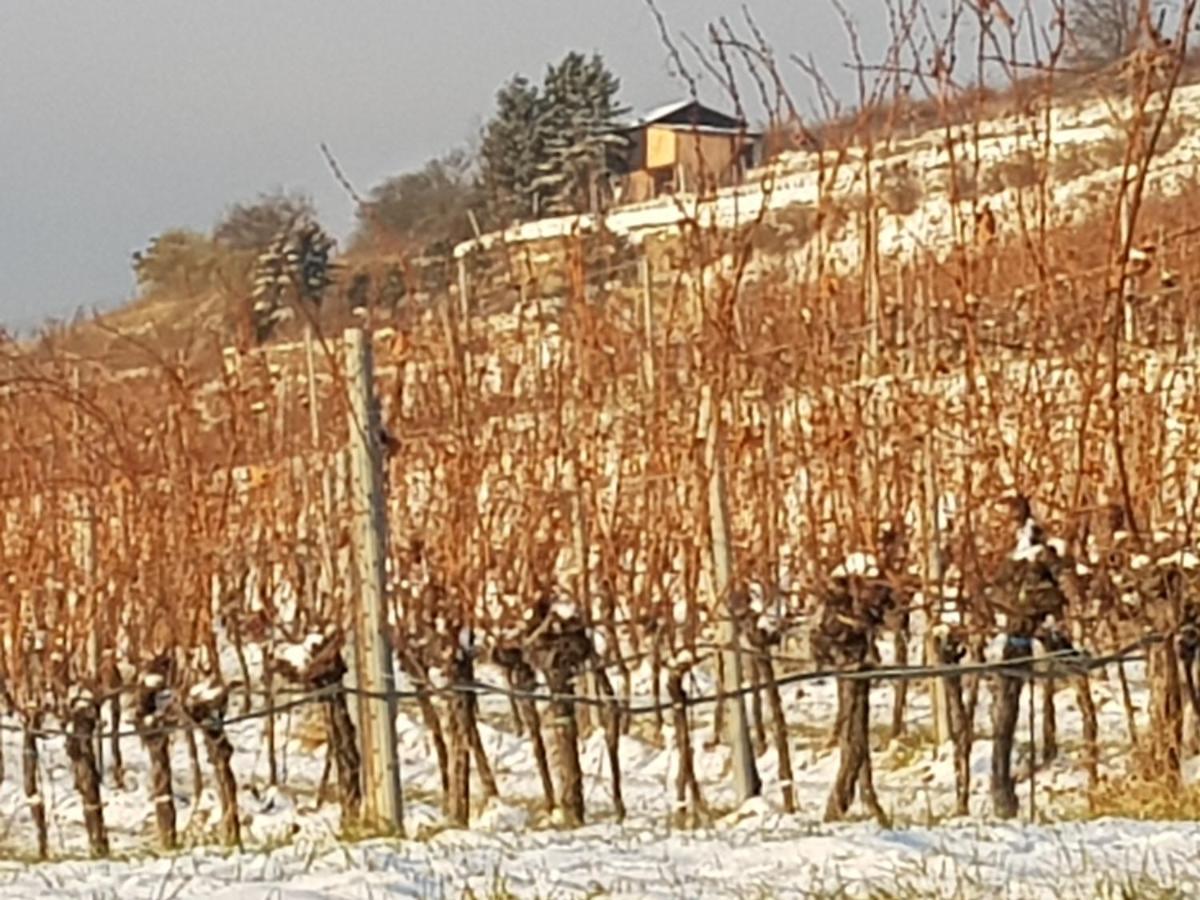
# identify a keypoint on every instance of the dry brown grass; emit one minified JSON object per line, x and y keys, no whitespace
{"x":1139,"y":798}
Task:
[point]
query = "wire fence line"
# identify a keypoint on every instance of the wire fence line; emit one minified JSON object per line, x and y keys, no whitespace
{"x":1045,"y":667}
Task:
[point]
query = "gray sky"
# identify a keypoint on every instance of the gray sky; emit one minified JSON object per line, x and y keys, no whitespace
{"x":121,"y":119}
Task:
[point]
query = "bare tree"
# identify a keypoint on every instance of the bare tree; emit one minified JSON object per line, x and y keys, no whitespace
{"x":1106,"y":30}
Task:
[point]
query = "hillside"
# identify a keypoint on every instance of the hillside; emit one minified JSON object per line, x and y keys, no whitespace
{"x":1077,"y":147}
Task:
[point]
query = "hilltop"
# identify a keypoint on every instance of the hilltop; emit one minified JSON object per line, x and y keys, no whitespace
{"x":1060,"y":161}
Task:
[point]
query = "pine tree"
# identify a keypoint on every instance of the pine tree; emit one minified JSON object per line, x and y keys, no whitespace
{"x":552,"y":150}
{"x":297,"y":265}
{"x":512,"y":150}
{"x":583,"y":145}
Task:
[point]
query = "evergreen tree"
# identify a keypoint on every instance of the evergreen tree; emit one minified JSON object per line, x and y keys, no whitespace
{"x":512,"y":150}
{"x":582,"y":146}
{"x":552,"y":150}
{"x":296,"y":265}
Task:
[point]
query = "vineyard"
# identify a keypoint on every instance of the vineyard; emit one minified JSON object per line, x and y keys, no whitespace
{"x":692,"y":543}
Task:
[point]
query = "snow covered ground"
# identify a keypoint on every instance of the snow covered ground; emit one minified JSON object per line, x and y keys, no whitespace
{"x":292,"y":847}
{"x":764,"y":857}
{"x":1078,"y":129}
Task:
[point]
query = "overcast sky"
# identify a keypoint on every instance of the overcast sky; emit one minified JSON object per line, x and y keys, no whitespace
{"x":120,"y":119}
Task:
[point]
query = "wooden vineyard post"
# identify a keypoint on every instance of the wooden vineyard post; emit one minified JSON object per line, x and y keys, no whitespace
{"x":381,"y":763}
{"x":84,"y":523}
{"x":464,"y":305}
{"x":343,"y":578}
{"x":745,"y":770}
{"x":647,"y":280}
{"x":934,"y":585}
{"x":84,"y":526}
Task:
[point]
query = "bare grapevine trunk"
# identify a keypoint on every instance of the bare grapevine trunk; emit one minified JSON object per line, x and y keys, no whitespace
{"x":1049,"y":722}
{"x":112,"y":687}
{"x":779,"y":727}
{"x":458,"y":796}
{"x":655,"y":682}
{"x":524,"y":680}
{"x":1091,"y":731}
{"x":151,"y":725}
{"x":686,"y":813}
{"x":622,"y":670}
{"x":566,"y":745}
{"x":1127,"y":704}
{"x":478,"y":752}
{"x":189,"y":738}
{"x":81,"y":750}
{"x":756,"y":707}
{"x":1166,"y":712}
{"x":420,"y":678}
{"x":206,"y":705}
{"x":220,"y":752}
{"x":320,"y":668}
{"x":29,"y":771}
{"x":854,"y":751}
{"x":343,"y":740}
{"x":269,"y":722}
{"x":612,"y":739}
{"x":900,"y":643}
{"x":1005,"y":712}
{"x":962,"y":727}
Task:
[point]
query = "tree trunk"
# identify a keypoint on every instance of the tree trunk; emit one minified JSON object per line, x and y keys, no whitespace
{"x":854,"y":764}
{"x":433,"y":723}
{"x":1166,"y":712}
{"x":112,"y":686}
{"x":583,"y":711}
{"x":1049,"y":722}
{"x":344,"y":741}
{"x":612,"y":740}
{"x":458,"y":797}
{"x":220,"y":752}
{"x":327,"y":769}
{"x":622,"y":671}
{"x":482,"y":764}
{"x":685,"y":777}
{"x":961,"y":726}
{"x":81,"y":750}
{"x":189,"y":738}
{"x":962,"y":733}
{"x":566,"y":745}
{"x":1187,"y":660}
{"x":756,"y":706}
{"x":1127,"y":703}
{"x":430,"y":715}
{"x":900,"y":700}
{"x":156,"y":740}
{"x":514,"y":711}
{"x":235,"y":633}
{"x":29,"y":771}
{"x":523,"y":680}
{"x":1091,"y":731}
{"x":269,"y":721}
{"x":779,"y":728}
{"x":655,"y":683}
{"x":1006,"y":709}
{"x":975,"y":654}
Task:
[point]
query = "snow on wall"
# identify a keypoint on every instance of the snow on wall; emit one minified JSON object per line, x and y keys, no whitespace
{"x":795,"y":179}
